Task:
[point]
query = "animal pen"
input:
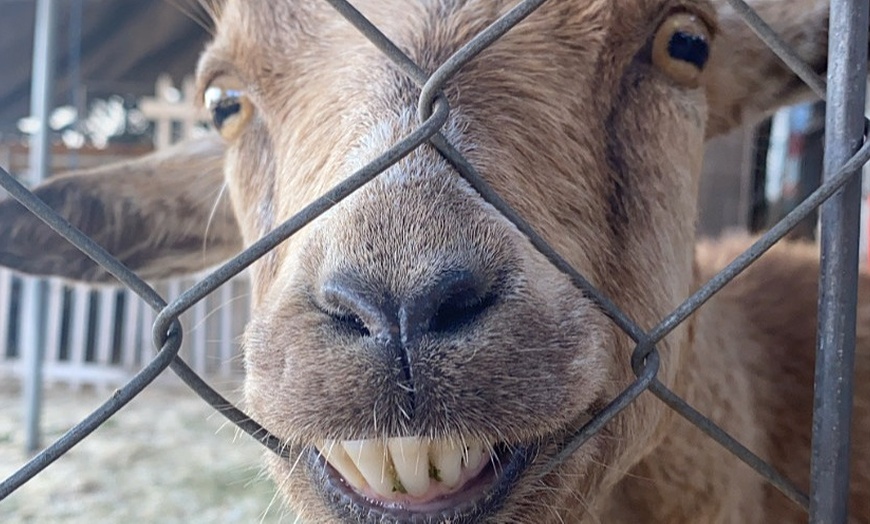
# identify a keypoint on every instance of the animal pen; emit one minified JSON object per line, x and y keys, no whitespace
{"x":846,"y":153}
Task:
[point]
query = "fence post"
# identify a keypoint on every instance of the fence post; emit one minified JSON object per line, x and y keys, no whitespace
{"x":32,"y":332}
{"x":835,"y":353}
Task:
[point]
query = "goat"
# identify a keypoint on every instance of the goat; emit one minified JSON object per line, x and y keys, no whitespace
{"x":421,"y":359}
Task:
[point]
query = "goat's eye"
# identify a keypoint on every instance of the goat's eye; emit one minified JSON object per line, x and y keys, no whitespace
{"x":681,"y":48}
{"x":229,"y":107}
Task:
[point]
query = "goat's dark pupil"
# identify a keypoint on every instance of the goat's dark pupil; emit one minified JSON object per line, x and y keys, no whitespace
{"x":225,"y":109}
{"x":689,"y":48}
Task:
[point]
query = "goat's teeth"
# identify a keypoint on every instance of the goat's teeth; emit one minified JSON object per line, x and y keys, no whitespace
{"x":370,"y":457}
{"x":402,"y":467}
{"x":337,"y":456}
{"x":446,"y":457}
{"x":473,"y":455}
{"x":411,"y":459}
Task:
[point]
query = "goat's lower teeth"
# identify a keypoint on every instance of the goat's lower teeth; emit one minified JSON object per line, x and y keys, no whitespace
{"x":407,"y":466}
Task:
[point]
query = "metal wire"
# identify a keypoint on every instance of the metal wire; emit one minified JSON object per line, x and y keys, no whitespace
{"x":238,"y":264}
{"x":433,"y":111}
{"x":777,"y":479}
{"x":429,"y":90}
{"x":780,"y":48}
{"x":644,"y":378}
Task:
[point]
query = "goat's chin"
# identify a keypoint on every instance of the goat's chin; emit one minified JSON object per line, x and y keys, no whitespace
{"x":422,"y":480}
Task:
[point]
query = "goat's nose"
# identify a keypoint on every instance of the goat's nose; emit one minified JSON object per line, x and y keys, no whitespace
{"x":448,"y":303}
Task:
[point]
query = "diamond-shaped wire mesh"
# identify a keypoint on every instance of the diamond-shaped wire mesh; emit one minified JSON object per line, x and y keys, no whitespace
{"x":433,"y":111}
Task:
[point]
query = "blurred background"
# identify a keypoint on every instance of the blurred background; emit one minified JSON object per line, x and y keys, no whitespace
{"x":122,"y":87}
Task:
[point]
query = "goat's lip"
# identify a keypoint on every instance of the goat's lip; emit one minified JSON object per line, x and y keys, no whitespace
{"x":477,"y":498}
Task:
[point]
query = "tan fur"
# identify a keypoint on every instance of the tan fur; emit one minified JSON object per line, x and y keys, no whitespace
{"x":567,"y":118}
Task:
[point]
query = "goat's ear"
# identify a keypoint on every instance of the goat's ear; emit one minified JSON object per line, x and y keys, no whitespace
{"x":161,"y":215}
{"x":745,"y":80}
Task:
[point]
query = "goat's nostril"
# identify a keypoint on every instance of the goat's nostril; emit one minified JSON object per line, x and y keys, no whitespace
{"x":352,"y":323}
{"x":456,"y":300}
{"x":358,"y":310}
{"x":452,"y":315}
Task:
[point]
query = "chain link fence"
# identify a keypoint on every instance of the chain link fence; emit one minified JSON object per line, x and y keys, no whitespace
{"x":829,"y":475}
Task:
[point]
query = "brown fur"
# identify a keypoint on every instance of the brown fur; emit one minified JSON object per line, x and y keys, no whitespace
{"x":124,"y":208}
{"x":567,"y":118}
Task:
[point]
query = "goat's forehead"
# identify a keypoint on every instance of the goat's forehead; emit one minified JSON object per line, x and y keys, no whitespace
{"x":265,"y":28}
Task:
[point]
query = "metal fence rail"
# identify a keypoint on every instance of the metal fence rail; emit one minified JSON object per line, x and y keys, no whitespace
{"x":845,"y":156}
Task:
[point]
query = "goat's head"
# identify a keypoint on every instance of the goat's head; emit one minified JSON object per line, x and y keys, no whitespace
{"x":420,"y":357}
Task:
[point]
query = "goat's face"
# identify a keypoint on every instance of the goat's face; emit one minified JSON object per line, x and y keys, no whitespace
{"x":421,"y":359}
{"x":413,"y":310}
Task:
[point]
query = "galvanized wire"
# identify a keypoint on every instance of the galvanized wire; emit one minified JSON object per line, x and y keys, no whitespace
{"x":332,"y":197}
{"x":776,"y":479}
{"x":645,"y":377}
{"x":238,"y":264}
{"x":80,"y":240}
{"x":428,"y":88}
{"x":780,"y":47}
{"x":433,"y":111}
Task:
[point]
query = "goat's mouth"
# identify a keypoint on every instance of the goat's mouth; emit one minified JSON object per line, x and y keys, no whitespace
{"x":416,"y":479}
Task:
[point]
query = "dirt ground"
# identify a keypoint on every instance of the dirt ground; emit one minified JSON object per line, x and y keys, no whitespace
{"x":192,"y":467}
